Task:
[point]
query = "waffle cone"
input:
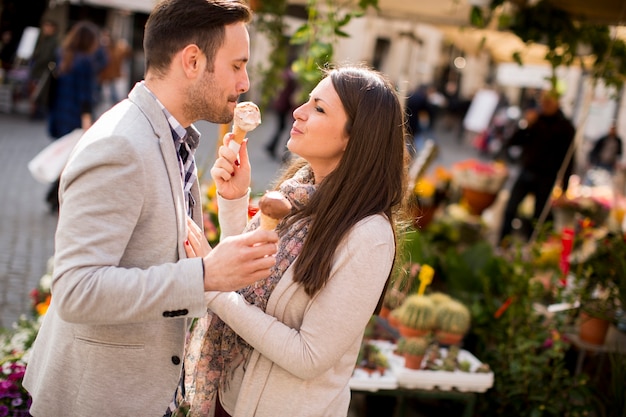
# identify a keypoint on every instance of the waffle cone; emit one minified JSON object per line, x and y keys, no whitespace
{"x":239,"y":133}
{"x":268,"y":223}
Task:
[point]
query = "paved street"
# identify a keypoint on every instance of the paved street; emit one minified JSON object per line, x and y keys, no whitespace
{"x":27,"y":228}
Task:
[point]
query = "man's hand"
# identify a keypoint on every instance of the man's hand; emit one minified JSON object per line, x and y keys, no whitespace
{"x":238,"y":261}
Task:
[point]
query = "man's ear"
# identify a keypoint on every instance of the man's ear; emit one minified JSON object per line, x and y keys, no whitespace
{"x":191,"y":60}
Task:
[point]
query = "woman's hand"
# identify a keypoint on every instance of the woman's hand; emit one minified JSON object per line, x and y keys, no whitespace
{"x":232,"y":172}
{"x":197,"y":244}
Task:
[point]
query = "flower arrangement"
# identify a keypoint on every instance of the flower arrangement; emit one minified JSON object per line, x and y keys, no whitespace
{"x":15,"y":347}
{"x":487,"y":177}
{"x":209,"y":214}
{"x":40,"y":296}
{"x":431,"y":190}
{"x":14,"y":350}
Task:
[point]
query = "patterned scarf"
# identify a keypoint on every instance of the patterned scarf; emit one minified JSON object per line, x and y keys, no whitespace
{"x":214,"y":348}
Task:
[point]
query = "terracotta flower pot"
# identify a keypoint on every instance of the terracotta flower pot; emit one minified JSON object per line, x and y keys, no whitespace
{"x":477,"y":201}
{"x":447,"y":338}
{"x":413,"y":361}
{"x":592,"y":329}
{"x":411,"y":332}
{"x":393,"y":321}
{"x":423,"y":216}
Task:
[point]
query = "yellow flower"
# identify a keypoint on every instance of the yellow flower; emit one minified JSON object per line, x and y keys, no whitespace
{"x":424,"y":188}
{"x":211,"y":191}
{"x":42,"y":308}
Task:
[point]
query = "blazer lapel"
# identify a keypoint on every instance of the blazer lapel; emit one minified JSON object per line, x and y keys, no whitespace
{"x":140,"y":96}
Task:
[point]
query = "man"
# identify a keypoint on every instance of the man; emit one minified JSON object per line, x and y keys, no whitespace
{"x":43,"y":55}
{"x":604,"y":158}
{"x":545,"y":143}
{"x":123,"y":293}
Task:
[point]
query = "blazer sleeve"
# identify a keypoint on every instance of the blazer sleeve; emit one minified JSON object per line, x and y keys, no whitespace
{"x":334,"y":318}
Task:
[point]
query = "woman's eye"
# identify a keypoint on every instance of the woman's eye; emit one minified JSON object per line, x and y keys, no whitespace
{"x":319,"y":109}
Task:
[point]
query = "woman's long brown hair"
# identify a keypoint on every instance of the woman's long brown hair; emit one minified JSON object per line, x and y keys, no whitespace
{"x":371,"y":177}
{"x":83,"y":38}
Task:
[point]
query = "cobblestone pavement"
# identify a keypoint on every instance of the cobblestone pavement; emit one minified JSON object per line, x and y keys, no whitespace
{"x":26,"y":226}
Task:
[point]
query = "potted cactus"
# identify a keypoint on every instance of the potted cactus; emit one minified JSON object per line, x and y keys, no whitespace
{"x":394,"y":318}
{"x":413,"y":349}
{"x":417,"y":316}
{"x":452,"y":322}
{"x":439,"y":297}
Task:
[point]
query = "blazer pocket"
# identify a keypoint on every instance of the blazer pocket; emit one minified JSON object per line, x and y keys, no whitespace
{"x":112,"y":345}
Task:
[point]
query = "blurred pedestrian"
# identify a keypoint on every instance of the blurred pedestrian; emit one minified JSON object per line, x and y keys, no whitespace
{"x":7,"y":50}
{"x":118,"y":50}
{"x":421,"y":112}
{"x":604,"y":158}
{"x":71,"y":103}
{"x":544,"y":142}
{"x":284,"y":106}
{"x":43,"y":54}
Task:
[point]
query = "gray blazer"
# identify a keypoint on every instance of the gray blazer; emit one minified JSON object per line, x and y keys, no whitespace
{"x":112,"y":341}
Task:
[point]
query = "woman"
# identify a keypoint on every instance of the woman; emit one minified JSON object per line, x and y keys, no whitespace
{"x":71,"y":104}
{"x":300,"y":332}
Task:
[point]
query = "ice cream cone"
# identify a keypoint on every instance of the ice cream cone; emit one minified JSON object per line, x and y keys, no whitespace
{"x":239,"y":134}
{"x":273,"y":207}
{"x":268,"y":223}
{"x":246,"y":118}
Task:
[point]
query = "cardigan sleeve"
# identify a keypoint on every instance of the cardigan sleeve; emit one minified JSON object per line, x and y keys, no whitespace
{"x":232,"y":214}
{"x":334,"y":318}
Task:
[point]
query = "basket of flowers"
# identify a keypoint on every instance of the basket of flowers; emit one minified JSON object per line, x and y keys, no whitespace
{"x":479,"y":182}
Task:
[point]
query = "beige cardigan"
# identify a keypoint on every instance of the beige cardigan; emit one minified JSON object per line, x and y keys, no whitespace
{"x":305,"y":349}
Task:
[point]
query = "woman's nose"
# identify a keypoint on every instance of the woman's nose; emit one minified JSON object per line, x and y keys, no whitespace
{"x":299,"y":113}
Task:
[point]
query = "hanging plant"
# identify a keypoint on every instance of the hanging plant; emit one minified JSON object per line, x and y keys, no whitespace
{"x":325,"y":23}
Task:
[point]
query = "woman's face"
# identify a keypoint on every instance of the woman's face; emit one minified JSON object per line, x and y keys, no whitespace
{"x":318,"y":133}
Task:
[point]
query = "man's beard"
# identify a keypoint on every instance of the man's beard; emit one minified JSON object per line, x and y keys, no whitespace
{"x":204,"y":102}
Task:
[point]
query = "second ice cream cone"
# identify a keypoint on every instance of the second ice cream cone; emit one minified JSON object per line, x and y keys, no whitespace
{"x":273,"y":207}
{"x":268,"y":223}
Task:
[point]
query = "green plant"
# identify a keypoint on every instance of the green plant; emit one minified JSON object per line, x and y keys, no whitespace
{"x":599,"y":269}
{"x":416,"y":346}
{"x":325,"y":22}
{"x":452,"y":317}
{"x":371,"y":357}
{"x":418,"y":312}
{"x":439,"y":298}
{"x":525,"y":351}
